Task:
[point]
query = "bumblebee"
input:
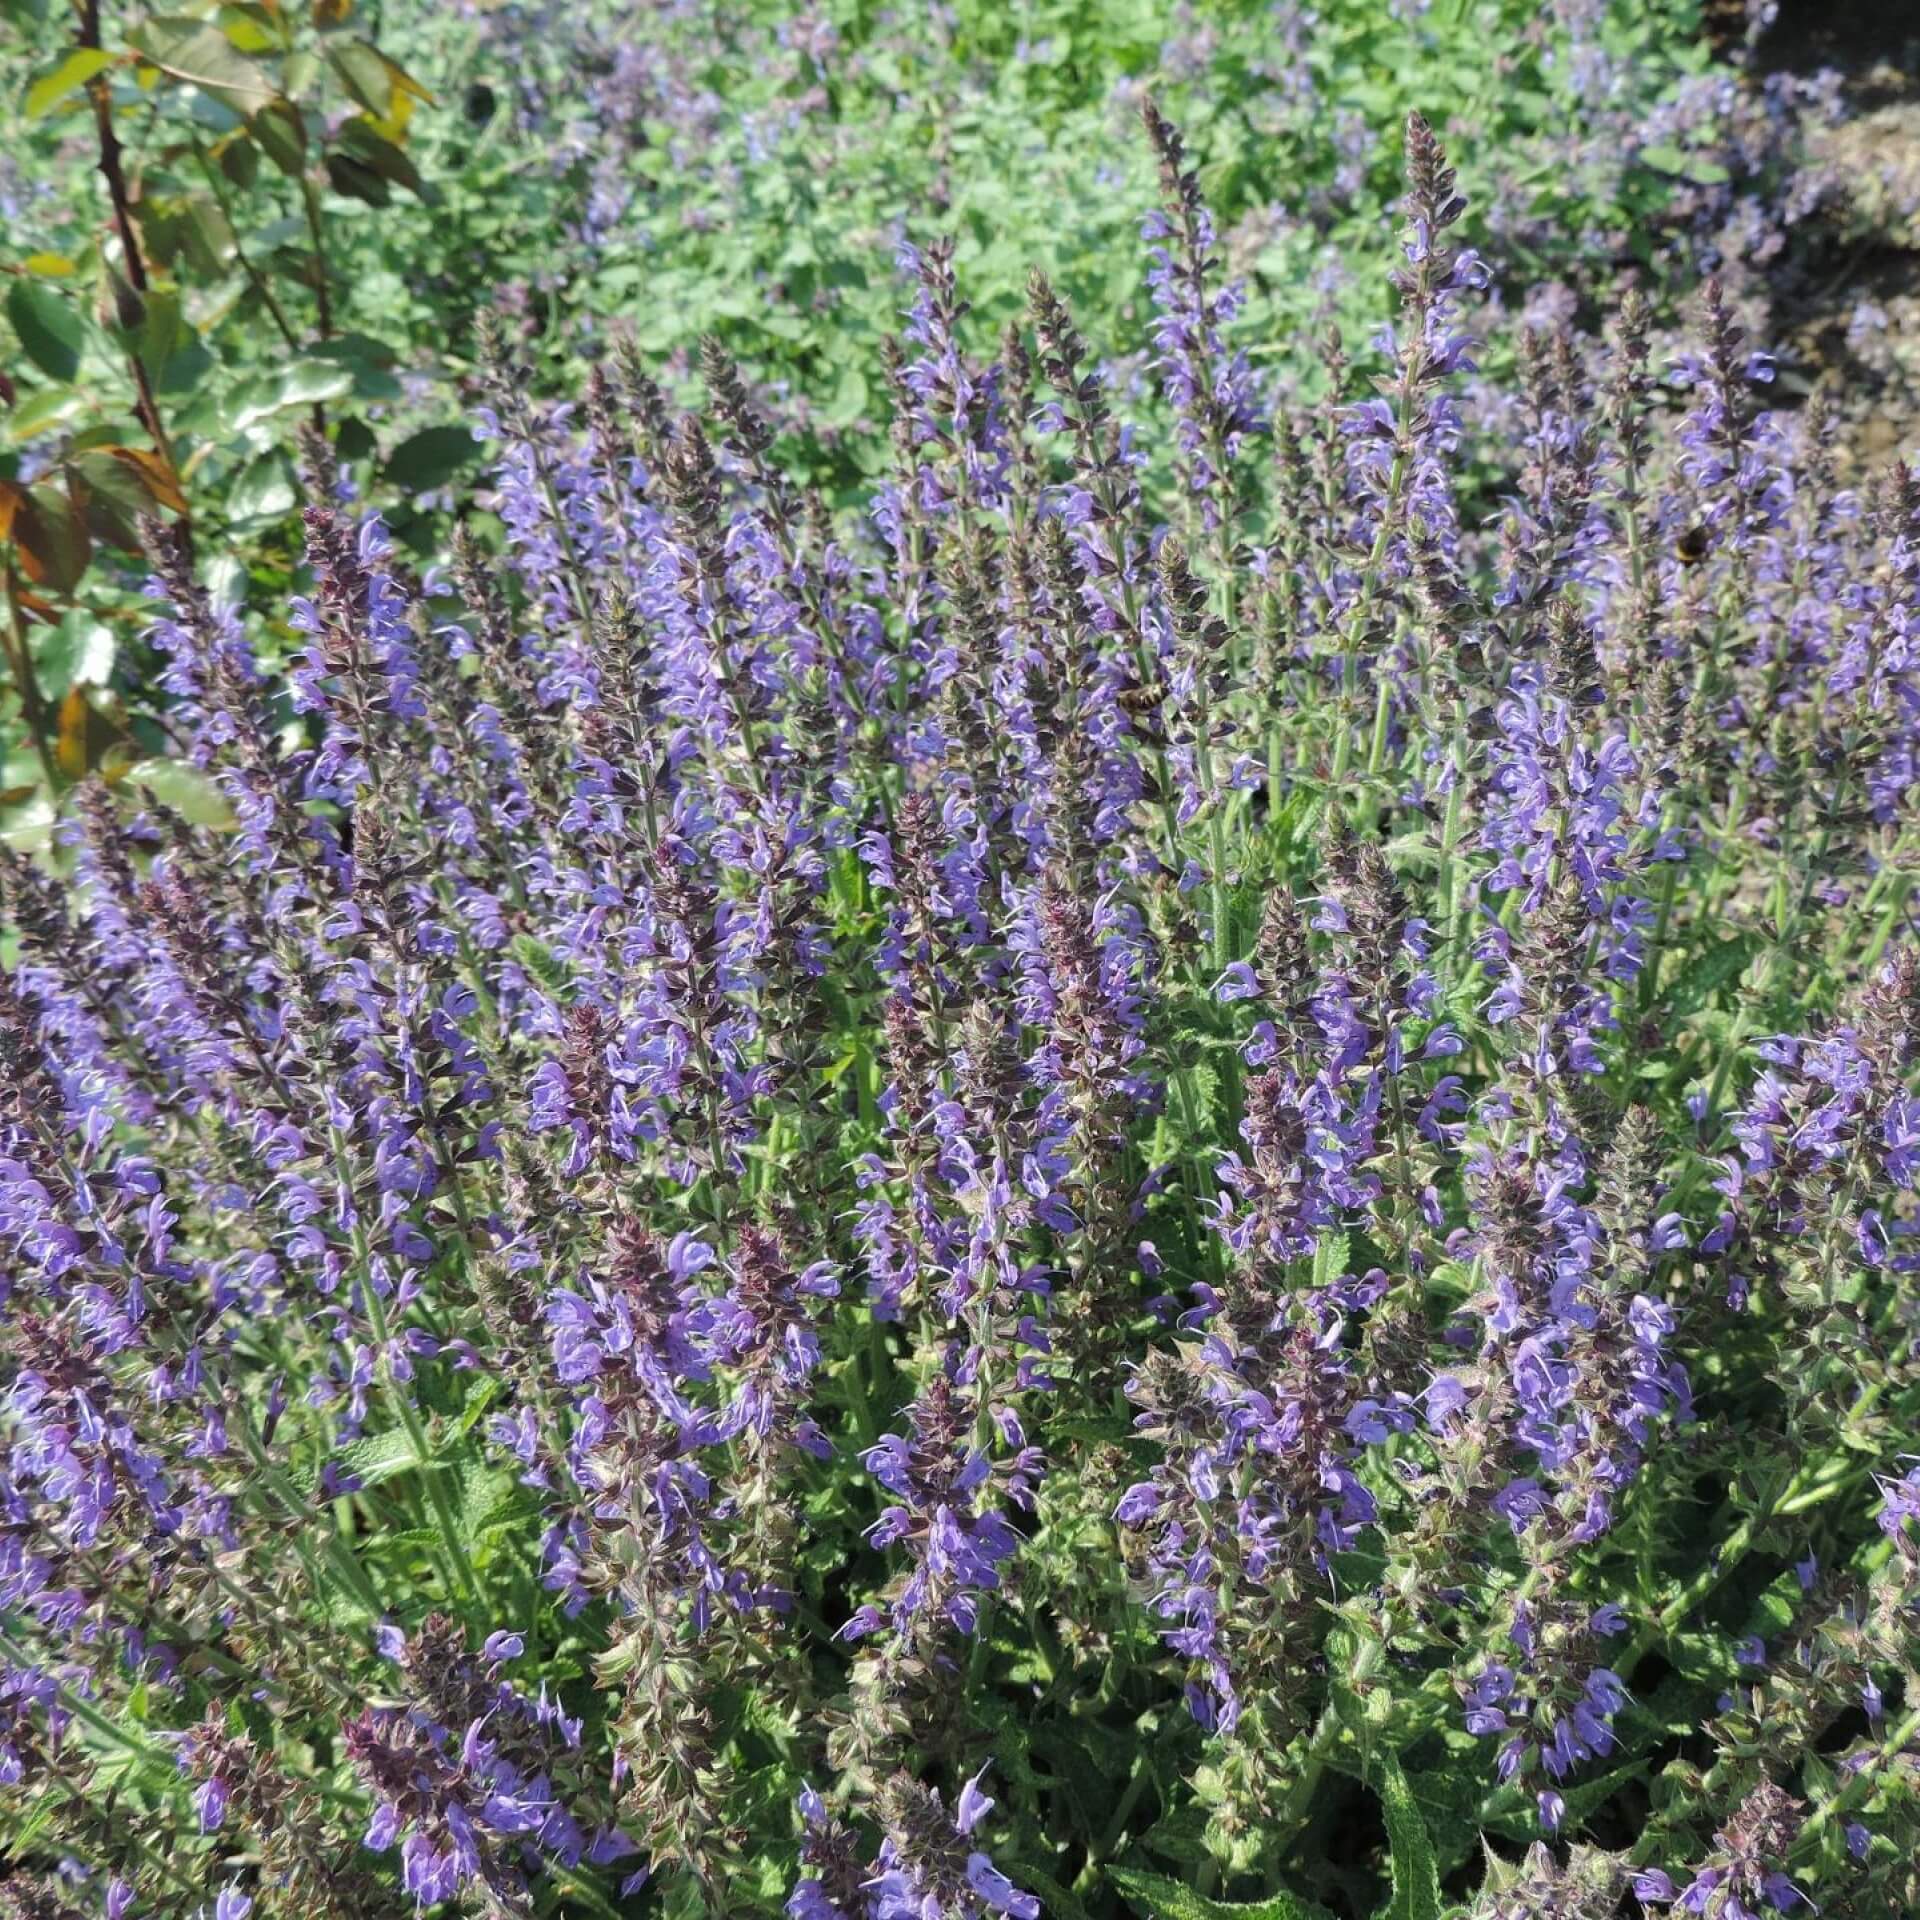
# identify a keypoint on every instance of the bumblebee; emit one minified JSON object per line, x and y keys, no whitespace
{"x":1691,"y":547}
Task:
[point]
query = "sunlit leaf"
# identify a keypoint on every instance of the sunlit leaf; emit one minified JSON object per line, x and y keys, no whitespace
{"x":252,"y":29}
{"x":80,"y":651}
{"x":63,"y":80}
{"x":200,"y":55}
{"x":1159,"y":1898}
{"x":91,"y":735}
{"x":263,"y":490}
{"x":1416,"y":1872}
{"x":304,"y":383}
{"x":158,"y":474}
{"x":192,"y":794}
{"x":366,"y":76}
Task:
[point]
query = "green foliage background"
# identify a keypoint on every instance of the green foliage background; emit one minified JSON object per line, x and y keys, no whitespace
{"x":326,"y":194}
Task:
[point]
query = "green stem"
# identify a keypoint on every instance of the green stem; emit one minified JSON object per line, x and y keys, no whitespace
{"x":443,"y":1513}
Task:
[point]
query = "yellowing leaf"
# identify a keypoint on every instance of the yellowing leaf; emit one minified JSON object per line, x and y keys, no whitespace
{"x":394,"y":127}
{"x":251,"y":29}
{"x":88,"y":736}
{"x":406,"y":83}
{"x":49,"y":266}
{"x":70,"y":749}
{"x":160,"y":478}
{"x":63,"y":80}
{"x":52,"y":539}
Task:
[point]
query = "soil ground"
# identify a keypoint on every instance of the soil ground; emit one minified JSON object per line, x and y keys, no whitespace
{"x":1854,"y":307}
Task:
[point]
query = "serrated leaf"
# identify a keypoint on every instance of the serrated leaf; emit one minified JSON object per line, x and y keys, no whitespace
{"x":488,"y":1496}
{"x":1330,"y":1258}
{"x":1054,"y":1898}
{"x":1416,"y":1871}
{"x":1513,"y":1813}
{"x":1159,"y":1898}
{"x":374,"y":1457}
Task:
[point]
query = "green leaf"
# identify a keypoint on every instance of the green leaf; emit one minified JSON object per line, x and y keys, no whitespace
{"x":263,"y":489}
{"x":355,"y":180}
{"x":308,"y":381}
{"x":79,"y":652}
{"x":1512,"y":1812}
{"x":165,"y":330}
{"x":118,"y":484}
{"x":474,"y":1410}
{"x":364,"y":74}
{"x":66,"y":78}
{"x":304,"y":383}
{"x":40,"y":412}
{"x":1159,"y":1898}
{"x":51,"y":333}
{"x":373,"y":1458}
{"x":1707,"y":973}
{"x":1416,"y":1873}
{"x":21,"y":1837}
{"x":1330,"y":1258}
{"x":1665,"y":158}
{"x":1055,"y":1899}
{"x":199,"y":55}
{"x":431,"y":457}
{"x":372,"y":150}
{"x":281,"y":135}
{"x":189,"y":792}
{"x":850,"y":398}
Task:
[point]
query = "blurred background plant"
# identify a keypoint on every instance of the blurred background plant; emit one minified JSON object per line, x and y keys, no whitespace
{"x":228,"y":220}
{"x":181,"y":287}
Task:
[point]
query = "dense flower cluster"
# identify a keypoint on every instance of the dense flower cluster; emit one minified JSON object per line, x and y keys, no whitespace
{"x":1202,"y":1130}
